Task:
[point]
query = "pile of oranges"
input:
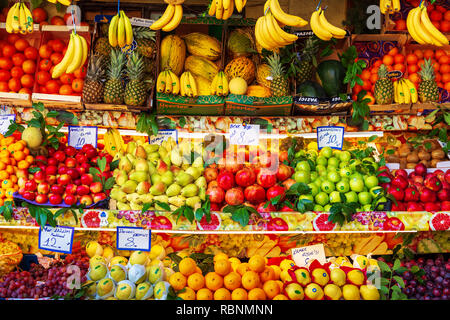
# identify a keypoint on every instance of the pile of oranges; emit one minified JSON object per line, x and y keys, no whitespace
{"x":15,"y":159}
{"x":230,"y":280}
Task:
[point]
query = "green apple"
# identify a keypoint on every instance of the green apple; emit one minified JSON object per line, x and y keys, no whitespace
{"x":314,"y":188}
{"x":303,"y":166}
{"x":343,"y":186}
{"x":335,"y":197}
{"x":312,"y":154}
{"x":327,"y":152}
{"x":322,"y":198}
{"x":302,"y":176}
{"x":318,"y":182}
{"x":300,"y":154}
{"x":333,"y":168}
{"x":351,"y":196}
{"x":345,"y":156}
{"x":327,"y":186}
{"x":318,"y":208}
{"x":336,"y":152}
{"x":307,"y":197}
{"x":314,"y":175}
{"x":375,"y":191}
{"x":364,"y":198}
{"x":367,"y":207}
{"x":354,"y":162}
{"x":321,"y":160}
{"x":343,"y":164}
{"x":333,"y":161}
{"x":323,"y":173}
{"x":345,"y":172}
{"x":357,"y":184}
{"x":356,"y":175}
{"x":320,"y":167}
{"x":333,"y":176}
{"x":327,"y":208}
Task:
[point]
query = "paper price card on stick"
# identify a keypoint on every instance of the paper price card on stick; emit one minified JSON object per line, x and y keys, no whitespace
{"x":332,"y":137}
{"x":5,"y":121}
{"x":164,"y":135}
{"x":244,"y":134}
{"x":305,"y":255}
{"x":56,"y":239}
{"x":79,"y":136}
{"x":133,"y":238}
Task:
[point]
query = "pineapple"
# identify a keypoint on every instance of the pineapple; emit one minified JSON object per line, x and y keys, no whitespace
{"x":145,"y":41}
{"x":305,"y":68}
{"x":279,"y":84}
{"x":113,"y":91}
{"x":384,"y":88}
{"x":93,"y":84}
{"x":428,"y":89}
{"x":103,"y":47}
{"x":135,"y":91}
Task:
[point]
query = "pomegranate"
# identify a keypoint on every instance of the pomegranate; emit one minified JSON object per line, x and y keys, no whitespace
{"x":225,"y":179}
{"x":245,"y":177}
{"x":444,"y":195}
{"x":210,"y":174}
{"x":216,"y":194}
{"x":276,"y":191}
{"x":266,"y":180}
{"x":234,"y":197}
{"x":427,"y":195}
{"x":284,"y":172}
{"x":433,"y":183}
{"x":420,"y":169}
{"x":255,"y":194}
{"x":432,"y":206}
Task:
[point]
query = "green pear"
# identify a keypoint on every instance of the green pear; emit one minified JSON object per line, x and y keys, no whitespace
{"x":155,"y":178}
{"x":146,"y":198}
{"x":143,"y":187}
{"x":198,"y":162}
{"x":202,"y":193}
{"x":167,"y":161}
{"x":121,"y":178}
{"x":162,"y":198}
{"x":141,"y":165}
{"x":139,"y":176}
{"x":194,"y":172}
{"x":173,"y":190}
{"x":129,"y":186}
{"x":176,"y":170}
{"x":175,"y":158}
{"x":201,"y":182}
{"x":183,"y":179}
{"x":118,"y":195}
{"x":140,"y":153}
{"x":186,"y":165}
{"x":125,"y":164}
{"x":150,"y":148}
{"x":123,"y":206}
{"x":178,"y":201}
{"x":136,"y":206}
{"x":158,"y":189}
{"x":189,"y":191}
{"x":133,"y":197}
{"x":161,"y":166}
{"x":193,"y":202}
{"x":151,"y":167}
{"x":167,"y":178}
{"x":153,"y":157}
{"x":131,"y":146}
{"x":162,"y":151}
{"x":131,"y":158}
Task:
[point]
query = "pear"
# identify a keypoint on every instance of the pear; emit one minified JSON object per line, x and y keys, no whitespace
{"x":158,"y":189}
{"x":185,"y":147}
{"x":151,"y":168}
{"x":136,"y":206}
{"x":150,"y":148}
{"x":193,"y":202}
{"x":162,"y":151}
{"x":123,"y":206}
{"x":194,"y":172}
{"x":143,"y":187}
{"x":155,"y":178}
{"x":175,"y":170}
{"x":183,"y":179}
{"x":190,"y":190}
{"x":198,"y":162}
{"x":139,"y":176}
{"x":178,"y":201}
{"x":121,"y":178}
{"x":201,"y":182}
{"x":167,"y":178}
{"x":118,"y":195}
{"x":140,"y":153}
{"x":202,"y":193}
{"x":131,"y":146}
{"x":161,"y":166}
{"x":186,"y":164}
{"x":175,"y":158}
{"x":141,"y":165}
{"x":133,"y":197}
{"x":146,"y":198}
{"x":153,"y":157}
{"x":129,"y":186}
{"x":173,"y":190}
{"x":125,"y":164}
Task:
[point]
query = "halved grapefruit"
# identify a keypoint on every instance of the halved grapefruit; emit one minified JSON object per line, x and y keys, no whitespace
{"x":90,"y":219}
{"x":321,"y":223}
{"x":214,"y":224}
{"x":440,"y":222}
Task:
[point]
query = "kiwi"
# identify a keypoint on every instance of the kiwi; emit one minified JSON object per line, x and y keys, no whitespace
{"x":433,"y":163}
{"x":423,"y":155}
{"x":438,"y":154}
{"x":412,"y":157}
{"x":426,"y":163}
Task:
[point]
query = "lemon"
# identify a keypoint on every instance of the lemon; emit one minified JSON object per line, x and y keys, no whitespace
{"x":144,"y":291}
{"x":97,"y":259}
{"x":350,"y":292}
{"x":313,"y":291}
{"x":347,"y":264}
{"x":119,"y":260}
{"x":157,"y":262}
{"x":332,"y":291}
{"x":157,"y":252}
{"x":295,"y":291}
{"x":285,"y":276}
{"x":138,"y":257}
{"x":105,"y":288}
{"x":32,"y":136}
{"x":287,"y":264}
{"x":108,"y":253}
{"x":94,"y":248}
{"x":302,"y":276}
{"x":97,"y":272}
{"x":118,"y":273}
{"x":369,"y":292}
{"x":125,"y":290}
{"x":360,"y":262}
{"x":320,"y":276}
{"x":155,"y":273}
{"x":338,"y":277}
{"x":161,"y":290}
{"x":136,"y":273}
{"x":356,"y":277}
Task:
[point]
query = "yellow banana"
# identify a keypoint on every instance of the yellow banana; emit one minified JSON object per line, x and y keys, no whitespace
{"x":65,"y":2}
{"x":435,"y":33}
{"x":261,"y":40}
{"x":164,"y":19}
{"x":421,"y":30}
{"x":317,"y":27}
{"x":176,"y":19}
{"x":187,"y":83}
{"x":9,"y":18}
{"x":121,"y":31}
{"x":61,"y":67}
{"x":15,"y":23}
{"x":175,"y":83}
{"x":213,"y":86}
{"x":219,"y":87}
{"x":383,"y":6}
{"x":212,"y":8}
{"x":107,"y":141}
{"x":193,"y":85}
{"x":227,"y":13}
{"x":239,"y":5}
{"x":395,"y":92}
{"x":267,"y":36}
{"x":335,"y":31}
{"x":410,"y":24}
{"x":84,"y":47}
{"x":396,"y":5}
{"x":401,"y":94}
{"x":285,"y":18}
{"x":161,"y":82}
{"x":29,"y":19}
{"x":120,"y":144}
{"x":219,"y":9}
{"x":22,"y":20}
{"x":112,"y":31}
{"x":273,"y":25}
{"x":182,"y":86}
{"x":128,"y":29}
{"x":412,"y":90}
{"x":168,"y":81}
{"x":406,"y":92}
{"x":77,"y":55}
{"x":226,"y":4}
{"x":226,"y":89}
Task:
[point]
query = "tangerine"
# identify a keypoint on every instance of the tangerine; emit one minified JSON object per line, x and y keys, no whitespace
{"x":257,"y":263}
{"x":213,"y":281}
{"x":239,"y":294}
{"x":250,"y":280}
{"x":257,"y":294}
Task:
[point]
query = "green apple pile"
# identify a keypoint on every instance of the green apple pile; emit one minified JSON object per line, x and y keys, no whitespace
{"x":335,"y":178}
{"x":151,"y":173}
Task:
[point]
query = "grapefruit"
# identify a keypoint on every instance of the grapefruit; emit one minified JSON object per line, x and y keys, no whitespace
{"x":321,"y":223}
{"x":440,"y":222}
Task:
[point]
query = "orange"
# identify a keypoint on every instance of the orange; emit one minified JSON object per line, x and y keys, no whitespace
{"x":187,"y":294}
{"x":411,"y":59}
{"x":187,"y":266}
{"x":4,"y":154}
{"x":5,"y":160}
{"x":177,"y":281}
{"x":445,"y":68}
{"x":413,"y":68}
{"x":393,"y":51}
{"x":196,"y":281}
{"x":418,"y":53}
{"x":198,"y":270}
{"x":220,"y":255}
{"x":257,"y":263}
{"x":414,"y":77}
{"x":446,"y":78}
{"x":250,"y":280}
{"x":242,"y":268}
{"x":276,"y":271}
{"x":7,"y":183}
{"x":280,"y":297}
{"x":271,"y":288}
{"x":257,"y":294}
{"x":388,"y":60}
{"x":222,"y":294}
{"x":365,"y":75}
{"x":29,"y":159}
{"x":447,"y":86}
{"x":232,"y":281}
{"x":4,"y":175}
{"x":444,"y":59}
{"x":13,"y":161}
{"x":213,"y":281}
{"x":9,"y":193}
{"x":204,"y":294}
{"x":222,"y":267}
{"x":10,"y":169}
{"x":26,"y":151}
{"x":13,"y":179}
{"x":19,"y":155}
{"x":399,"y":58}
{"x":427,"y":54}
{"x":2,"y":165}
{"x":420,"y":63}
{"x":373,"y":77}
{"x":267,"y":274}
{"x":239,"y":294}
{"x":23,"y":164}
{"x":377,"y":63}
{"x":399,"y":67}
{"x":280,"y":284}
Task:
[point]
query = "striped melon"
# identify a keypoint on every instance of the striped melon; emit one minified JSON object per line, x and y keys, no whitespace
{"x":201,"y":67}
{"x":263,"y":74}
{"x":203,"y":45}
{"x":173,"y":54}
{"x":241,"y":67}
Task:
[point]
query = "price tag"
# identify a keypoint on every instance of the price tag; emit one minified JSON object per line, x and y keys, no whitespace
{"x":305,"y":255}
{"x":5,"y":121}
{"x":244,"y":134}
{"x":164,"y":135}
{"x":332,"y":137}
{"x":58,"y":239}
{"x":140,"y":22}
{"x":133,"y":238}
{"x":79,"y":136}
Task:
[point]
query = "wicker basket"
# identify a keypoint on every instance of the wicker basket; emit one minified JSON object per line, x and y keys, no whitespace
{"x":10,"y":256}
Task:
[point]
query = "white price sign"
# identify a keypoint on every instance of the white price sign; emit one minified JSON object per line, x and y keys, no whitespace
{"x":164,"y":135}
{"x":5,"y":121}
{"x":244,"y":134}
{"x":332,"y":137}
{"x":58,"y":239}
{"x":79,"y":136}
{"x":133,"y":238}
{"x":305,"y":255}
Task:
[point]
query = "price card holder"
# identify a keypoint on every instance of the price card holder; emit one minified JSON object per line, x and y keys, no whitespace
{"x":133,"y":238}
{"x":58,"y":239}
{"x":164,"y":135}
{"x":5,"y":121}
{"x":79,"y":136}
{"x":305,"y":255}
{"x":244,"y":134}
{"x":332,"y":137}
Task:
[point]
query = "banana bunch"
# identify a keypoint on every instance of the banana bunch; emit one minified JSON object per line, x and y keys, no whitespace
{"x":323,"y":29}
{"x":390,"y":6}
{"x":168,"y":82}
{"x":120,"y":32}
{"x":188,"y":86}
{"x":219,"y":85}
{"x":75,"y":57}
{"x":170,"y":19}
{"x":422,"y":30}
{"x":223,"y":9}
{"x":63,"y":2}
{"x":113,"y":142}
{"x":19,"y":19}
{"x":405,"y":91}
{"x":268,"y":31}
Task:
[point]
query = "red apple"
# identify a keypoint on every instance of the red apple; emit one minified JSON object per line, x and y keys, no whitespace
{"x":86,"y":166}
{"x":87,"y":179}
{"x":22,"y":173}
{"x":41,"y":198}
{"x":70,"y":163}
{"x":80,"y":158}
{"x":245,"y":177}
{"x":276,"y":191}
{"x":447,"y":176}
{"x":288,"y":183}
{"x":99,"y":197}
{"x":96,"y":187}
{"x":29,"y":195}
{"x":73,"y":173}
{"x":234,"y":197}
{"x":51,"y":179}
{"x":266,"y":180}
{"x":87,"y":147}
{"x":432,"y":206}
{"x":39,"y":176}
{"x":70,"y":199}
{"x":70,"y":151}
{"x":57,"y":189}
{"x":83,"y":190}
{"x":284,"y":172}
{"x":215,"y":207}
{"x":43,"y":188}
{"x":427,"y":195}
{"x":216,"y":194}
{"x":414,"y":206}
{"x":51,"y":170}
{"x":30,"y":185}
{"x":91,"y":153}
{"x":71,"y":188}
{"x":64,"y":179}
{"x":86,"y":200}
{"x":445,"y":206}
{"x":225,"y":179}
{"x":420,"y":169}
{"x":54,"y":198}
{"x":60,"y":156}
{"x":411,"y":194}
{"x":401,"y":173}
{"x":255,"y":194}
{"x":444,"y":195}
{"x":401,"y":206}
{"x":433,"y":183}
{"x":269,"y":208}
{"x":62,"y":169}
{"x":52,"y":162}
{"x":77,"y":182}
{"x":400,"y":182}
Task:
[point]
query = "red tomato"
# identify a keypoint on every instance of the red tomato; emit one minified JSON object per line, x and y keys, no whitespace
{"x":45,"y":64}
{"x":14,"y":84}
{"x":52,"y":87}
{"x":25,"y":90}
{"x":29,"y":66}
{"x":21,"y":45}
{"x":17,"y":72}
{"x":57,"y":21}
{"x":77,"y":85}
{"x":39,"y":15}
{"x":5,"y":75}
{"x":31,"y":53}
{"x":56,"y":58}
{"x":4,"y":86}
{"x":6,"y":63}
{"x":18,"y":59}
{"x":12,"y":38}
{"x":8,"y":51}
{"x":27,"y":81}
{"x":65,"y":90}
{"x":42,"y":77}
{"x":58,"y":45}
{"x":80,"y":73}
{"x":67,"y":78}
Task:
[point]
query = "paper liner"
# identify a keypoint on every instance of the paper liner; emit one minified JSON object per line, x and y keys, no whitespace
{"x":131,"y":284}
{"x":136,"y":273}
{"x":123,"y":268}
{"x":111,"y":293}
{"x":149,"y":291}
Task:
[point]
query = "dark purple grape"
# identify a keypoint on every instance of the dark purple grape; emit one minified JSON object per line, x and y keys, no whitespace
{"x":439,"y":279}
{"x":407,"y":275}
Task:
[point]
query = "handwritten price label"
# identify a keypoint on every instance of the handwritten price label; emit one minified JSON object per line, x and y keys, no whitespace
{"x":332,"y":137}
{"x":79,"y":136}
{"x":5,"y":121}
{"x":58,"y":239}
{"x":305,"y":255}
{"x":244,"y":135}
{"x":164,"y":135}
{"x":133,"y":238}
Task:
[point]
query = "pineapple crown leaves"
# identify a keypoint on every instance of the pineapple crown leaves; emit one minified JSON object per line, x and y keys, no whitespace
{"x":135,"y":66}
{"x":427,"y":70}
{"x":117,"y":63}
{"x":96,"y":68}
{"x":144,"y":33}
{"x":276,"y":66}
{"x":382,"y":72}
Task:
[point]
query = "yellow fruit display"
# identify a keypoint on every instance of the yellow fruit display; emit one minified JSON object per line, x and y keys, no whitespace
{"x":173,"y":54}
{"x":238,"y":85}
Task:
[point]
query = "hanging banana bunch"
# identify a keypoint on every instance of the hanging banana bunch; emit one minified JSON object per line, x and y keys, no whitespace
{"x":390,"y":6}
{"x":75,"y":57}
{"x":120,"y":32}
{"x":323,"y":29}
{"x":171,"y":18}
{"x":63,"y":2}
{"x":19,"y":19}
{"x":223,"y":9}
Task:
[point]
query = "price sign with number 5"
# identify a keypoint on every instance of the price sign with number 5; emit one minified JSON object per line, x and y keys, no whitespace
{"x":79,"y":136}
{"x":332,"y":137}
{"x":133,"y":238}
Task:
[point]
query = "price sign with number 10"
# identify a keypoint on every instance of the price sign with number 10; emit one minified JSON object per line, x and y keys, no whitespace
{"x":332,"y":137}
{"x":79,"y":136}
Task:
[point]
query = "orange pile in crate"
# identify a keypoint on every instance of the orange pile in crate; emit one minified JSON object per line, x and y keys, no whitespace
{"x":17,"y":64}
{"x":439,"y":16}
{"x":15,"y":159}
